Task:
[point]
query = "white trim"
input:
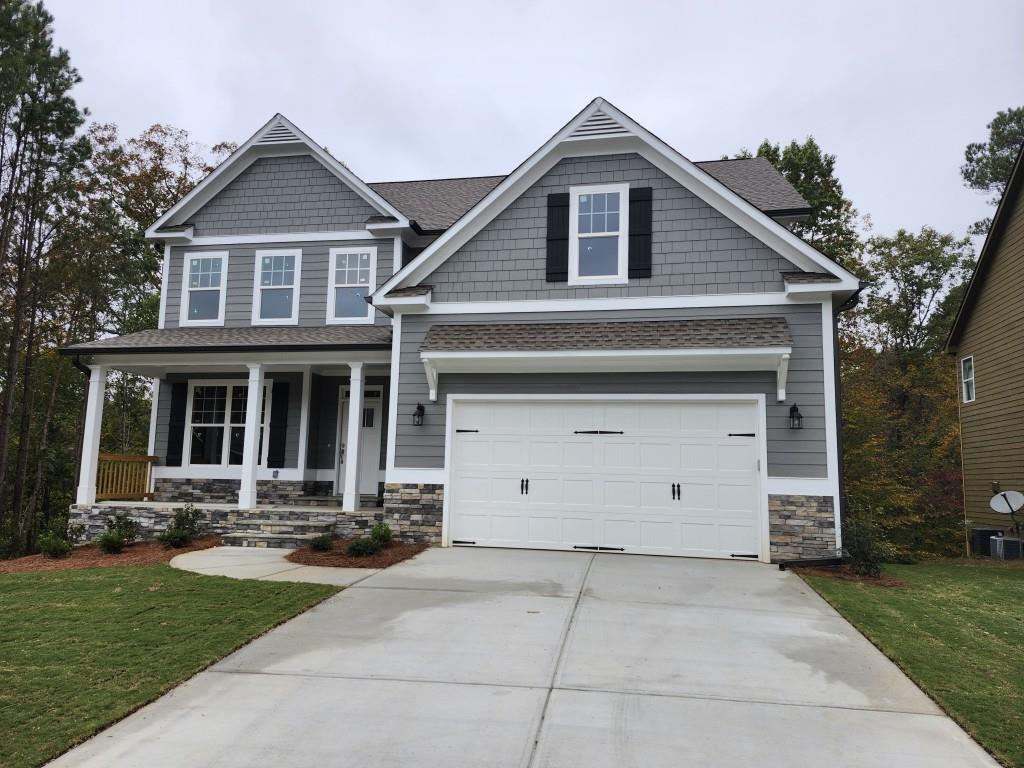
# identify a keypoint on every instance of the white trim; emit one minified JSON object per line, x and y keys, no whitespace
{"x":331,"y":285}
{"x":758,"y":399}
{"x":258,"y":288}
{"x":165,"y":272}
{"x":799,"y":486}
{"x":282,"y":238}
{"x":396,"y":254}
{"x":154,"y":397}
{"x":186,"y":453}
{"x":964,"y":380}
{"x":186,"y":272}
{"x":608,"y":360}
{"x":159,"y":363}
{"x":252,"y":150}
{"x":257,"y":399}
{"x":699,"y":182}
{"x":415,"y":475}
{"x":353,"y":440}
{"x":304,"y":404}
{"x":622,"y":235}
{"x":396,"y":357}
{"x":94,"y":399}
{"x":832,"y":468}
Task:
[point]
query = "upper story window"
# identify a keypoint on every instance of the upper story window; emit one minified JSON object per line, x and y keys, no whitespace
{"x":202,"y":301}
{"x":275,"y":298}
{"x":352,"y":278}
{"x":598,"y":243}
{"x":967,"y":379}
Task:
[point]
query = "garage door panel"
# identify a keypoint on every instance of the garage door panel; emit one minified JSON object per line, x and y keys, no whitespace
{"x":608,"y":489}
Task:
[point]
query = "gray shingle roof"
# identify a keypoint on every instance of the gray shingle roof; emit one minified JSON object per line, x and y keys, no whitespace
{"x":809,"y":277}
{"x":645,"y":334}
{"x":436,"y":204}
{"x":412,"y":290}
{"x":222,"y":339}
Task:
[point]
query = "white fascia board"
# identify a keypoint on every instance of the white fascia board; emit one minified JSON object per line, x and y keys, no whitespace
{"x":158,"y":364}
{"x":675,"y":165}
{"x":605,"y":360}
{"x":419,"y":303}
{"x":282,"y":238}
{"x":625,"y":303}
{"x":250,"y":151}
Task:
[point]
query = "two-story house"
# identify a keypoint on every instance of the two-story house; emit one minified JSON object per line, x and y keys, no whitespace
{"x":611,"y":348}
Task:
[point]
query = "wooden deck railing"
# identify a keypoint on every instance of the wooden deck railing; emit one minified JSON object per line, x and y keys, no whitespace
{"x":124,"y":477}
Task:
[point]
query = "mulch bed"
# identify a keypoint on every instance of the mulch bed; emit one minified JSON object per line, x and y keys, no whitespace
{"x":395,"y":552}
{"x":90,"y":556}
{"x":845,"y":573}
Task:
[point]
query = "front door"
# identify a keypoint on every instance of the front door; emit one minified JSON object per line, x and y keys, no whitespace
{"x":369,"y":439}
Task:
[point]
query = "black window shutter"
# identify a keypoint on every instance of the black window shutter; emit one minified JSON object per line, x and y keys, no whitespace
{"x":558,"y":238}
{"x":278,"y":424}
{"x":640,"y":232}
{"x":176,"y":424}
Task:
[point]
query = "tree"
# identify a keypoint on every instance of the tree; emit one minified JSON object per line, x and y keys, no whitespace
{"x":989,"y":163}
{"x":832,"y":225}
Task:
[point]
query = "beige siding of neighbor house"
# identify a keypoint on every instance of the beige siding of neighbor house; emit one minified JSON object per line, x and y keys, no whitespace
{"x":992,"y":426}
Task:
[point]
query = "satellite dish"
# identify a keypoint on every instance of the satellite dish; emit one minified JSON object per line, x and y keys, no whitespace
{"x":1007,"y":502}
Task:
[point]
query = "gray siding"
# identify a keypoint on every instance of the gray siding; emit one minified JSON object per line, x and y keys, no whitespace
{"x":283,"y":194}
{"x":163,"y":413}
{"x":242,"y":263}
{"x":791,"y":453}
{"x":695,"y":250}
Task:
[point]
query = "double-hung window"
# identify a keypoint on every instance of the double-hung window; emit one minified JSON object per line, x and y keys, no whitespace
{"x":598,"y":239}
{"x":202,"y":299}
{"x":967,"y":379}
{"x":275,"y":299}
{"x":353,"y":277}
{"x":216,"y":423}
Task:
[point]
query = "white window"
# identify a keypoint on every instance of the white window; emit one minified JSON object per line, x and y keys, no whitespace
{"x":967,"y":379}
{"x":216,"y":423}
{"x":353,"y":277}
{"x":275,"y":295}
{"x":598,"y":241}
{"x":202,"y":296}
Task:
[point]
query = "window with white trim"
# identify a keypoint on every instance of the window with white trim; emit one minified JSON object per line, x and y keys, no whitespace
{"x":216,"y":423}
{"x":967,"y":379}
{"x":598,"y":240}
{"x":202,"y":300}
{"x":353,"y":277}
{"x":276,"y":289}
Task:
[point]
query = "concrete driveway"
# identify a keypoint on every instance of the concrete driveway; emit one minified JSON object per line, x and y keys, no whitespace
{"x":467,"y":657}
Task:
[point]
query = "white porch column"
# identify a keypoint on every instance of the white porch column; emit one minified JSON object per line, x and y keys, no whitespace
{"x":350,"y":499}
{"x":91,"y":435}
{"x":251,"y":444}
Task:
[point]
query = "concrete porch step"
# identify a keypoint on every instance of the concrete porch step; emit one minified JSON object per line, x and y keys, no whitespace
{"x":305,"y":501}
{"x":283,"y":526}
{"x":267,"y":540}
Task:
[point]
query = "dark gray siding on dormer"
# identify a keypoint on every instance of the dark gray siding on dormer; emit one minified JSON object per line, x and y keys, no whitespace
{"x":283,"y":194}
{"x":695,"y":251}
{"x":241,"y":263}
{"x":791,"y":453}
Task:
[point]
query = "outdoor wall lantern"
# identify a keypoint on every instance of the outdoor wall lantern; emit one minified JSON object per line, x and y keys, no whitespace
{"x":417,"y":415}
{"x":796,"y":421}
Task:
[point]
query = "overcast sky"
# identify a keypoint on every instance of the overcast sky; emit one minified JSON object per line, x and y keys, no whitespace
{"x":407,"y":90}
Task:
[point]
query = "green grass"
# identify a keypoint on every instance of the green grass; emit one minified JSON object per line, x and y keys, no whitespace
{"x":81,"y":649}
{"x":957,"y":629}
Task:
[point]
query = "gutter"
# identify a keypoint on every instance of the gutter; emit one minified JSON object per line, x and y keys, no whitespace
{"x":77,"y":362}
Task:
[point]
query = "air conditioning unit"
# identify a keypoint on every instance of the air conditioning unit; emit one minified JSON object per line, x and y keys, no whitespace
{"x":1005,"y":548}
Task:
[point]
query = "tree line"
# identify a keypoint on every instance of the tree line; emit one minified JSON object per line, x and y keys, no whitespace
{"x":76,"y":198}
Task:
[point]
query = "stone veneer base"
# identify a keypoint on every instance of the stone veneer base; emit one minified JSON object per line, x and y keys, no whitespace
{"x":801,"y":527}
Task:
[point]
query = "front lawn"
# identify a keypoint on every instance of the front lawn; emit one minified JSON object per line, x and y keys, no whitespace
{"x":958,"y":630}
{"x":80,"y":649}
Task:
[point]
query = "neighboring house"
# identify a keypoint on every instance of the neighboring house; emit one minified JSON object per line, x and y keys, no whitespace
{"x":611,"y":348}
{"x":988,"y":341}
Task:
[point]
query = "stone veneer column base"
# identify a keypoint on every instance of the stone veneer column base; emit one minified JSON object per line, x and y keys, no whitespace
{"x":801,"y":527}
{"x":413,"y":510}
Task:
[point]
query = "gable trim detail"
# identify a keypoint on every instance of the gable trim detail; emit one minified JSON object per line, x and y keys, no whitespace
{"x":278,"y":137}
{"x":633,"y":139}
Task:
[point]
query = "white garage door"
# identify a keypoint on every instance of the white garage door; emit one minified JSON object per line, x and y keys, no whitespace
{"x":653,"y":477}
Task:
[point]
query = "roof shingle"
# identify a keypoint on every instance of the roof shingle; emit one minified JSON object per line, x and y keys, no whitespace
{"x":222,"y":339}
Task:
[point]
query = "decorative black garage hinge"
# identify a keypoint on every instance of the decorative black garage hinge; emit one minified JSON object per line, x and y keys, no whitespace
{"x":742,"y":434}
{"x":598,"y":549}
{"x":463,"y":542}
{"x":749,"y":556}
{"x":597,"y":432}
{"x":467,"y":430}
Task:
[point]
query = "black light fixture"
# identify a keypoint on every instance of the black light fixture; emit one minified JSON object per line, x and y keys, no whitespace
{"x":417,"y":415}
{"x":796,"y":421}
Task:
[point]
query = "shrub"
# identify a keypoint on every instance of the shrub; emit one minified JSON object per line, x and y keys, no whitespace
{"x":53,"y":545}
{"x":126,"y":528}
{"x":322,"y":543}
{"x":363,"y":547}
{"x":76,"y":532}
{"x":381,"y":533}
{"x":111,"y":542}
{"x":183,"y":528}
{"x":861,"y":542}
